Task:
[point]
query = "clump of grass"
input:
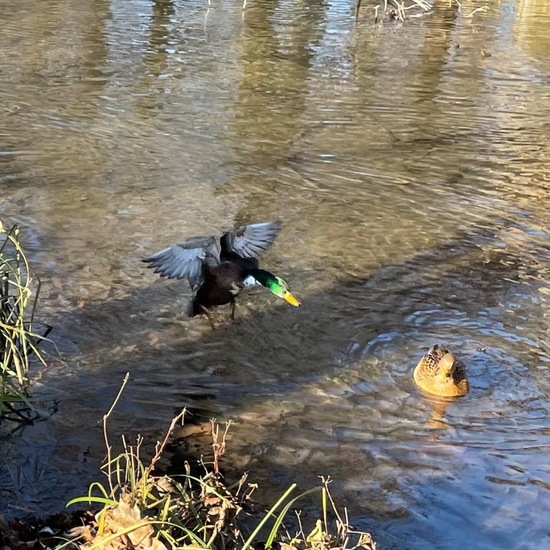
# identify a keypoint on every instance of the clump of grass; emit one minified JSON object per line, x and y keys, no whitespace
{"x":18,"y":344}
{"x":400,"y":10}
{"x":142,"y":510}
{"x":397,"y":9}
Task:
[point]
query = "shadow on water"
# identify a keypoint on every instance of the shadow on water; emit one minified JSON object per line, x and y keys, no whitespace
{"x":463,"y":273}
{"x":267,"y":368}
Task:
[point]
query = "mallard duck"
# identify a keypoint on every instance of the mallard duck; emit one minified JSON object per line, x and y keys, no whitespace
{"x":217,"y":272}
{"x":440,"y":373}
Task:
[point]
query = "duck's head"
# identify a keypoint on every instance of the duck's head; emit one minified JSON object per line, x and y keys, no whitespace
{"x":449,"y":368}
{"x":275,"y":284}
{"x":440,"y":373}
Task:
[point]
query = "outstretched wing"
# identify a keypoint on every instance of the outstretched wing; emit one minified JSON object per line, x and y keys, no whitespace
{"x":185,"y":260}
{"x":249,"y":241}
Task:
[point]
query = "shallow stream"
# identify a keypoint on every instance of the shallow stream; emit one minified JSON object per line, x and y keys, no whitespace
{"x":409,"y":165}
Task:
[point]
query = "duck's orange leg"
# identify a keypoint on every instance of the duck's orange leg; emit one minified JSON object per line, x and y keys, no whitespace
{"x":206,"y":311}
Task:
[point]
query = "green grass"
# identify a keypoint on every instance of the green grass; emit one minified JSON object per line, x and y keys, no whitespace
{"x":136,"y":508}
{"x":19,"y":292}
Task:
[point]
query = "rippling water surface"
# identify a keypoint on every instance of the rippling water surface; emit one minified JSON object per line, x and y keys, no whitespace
{"x":409,"y":164}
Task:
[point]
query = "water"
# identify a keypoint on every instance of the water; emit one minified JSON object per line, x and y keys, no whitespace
{"x":410,"y":172}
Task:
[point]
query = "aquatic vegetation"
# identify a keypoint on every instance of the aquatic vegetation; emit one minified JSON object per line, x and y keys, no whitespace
{"x":397,"y":9}
{"x":19,"y":291}
{"x":401,"y":10}
{"x":139,"y":509}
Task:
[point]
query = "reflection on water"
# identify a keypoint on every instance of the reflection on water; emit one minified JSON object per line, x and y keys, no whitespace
{"x":410,"y":173}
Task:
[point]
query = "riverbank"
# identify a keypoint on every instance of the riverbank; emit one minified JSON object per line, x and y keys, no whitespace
{"x":141,"y":506}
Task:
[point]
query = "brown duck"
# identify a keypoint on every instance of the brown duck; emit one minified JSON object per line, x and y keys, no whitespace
{"x":440,"y":373}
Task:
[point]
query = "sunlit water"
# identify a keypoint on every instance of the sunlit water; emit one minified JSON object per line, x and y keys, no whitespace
{"x":410,"y":170}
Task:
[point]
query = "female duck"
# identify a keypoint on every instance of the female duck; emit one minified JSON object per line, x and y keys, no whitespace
{"x":218,"y":272}
{"x":440,"y":373}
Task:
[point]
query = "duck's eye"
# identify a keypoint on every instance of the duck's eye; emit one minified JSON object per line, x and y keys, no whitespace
{"x":448,"y":374}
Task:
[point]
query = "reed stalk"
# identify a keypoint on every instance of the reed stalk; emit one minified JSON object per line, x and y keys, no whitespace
{"x":19,"y":293}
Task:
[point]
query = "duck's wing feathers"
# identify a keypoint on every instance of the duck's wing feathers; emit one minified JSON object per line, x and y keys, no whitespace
{"x":249,"y":241}
{"x":185,"y":260}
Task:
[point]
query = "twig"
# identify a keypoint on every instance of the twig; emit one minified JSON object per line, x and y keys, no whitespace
{"x":218,"y":448}
{"x":481,"y":8}
{"x":357,"y":6}
{"x":159,"y":448}
{"x":398,"y":9}
{"x":106,"y":435}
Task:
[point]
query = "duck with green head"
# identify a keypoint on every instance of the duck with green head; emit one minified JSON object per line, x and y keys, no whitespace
{"x":218,"y":272}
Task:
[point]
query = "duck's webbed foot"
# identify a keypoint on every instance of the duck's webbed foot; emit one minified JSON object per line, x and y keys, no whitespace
{"x":233,"y":306}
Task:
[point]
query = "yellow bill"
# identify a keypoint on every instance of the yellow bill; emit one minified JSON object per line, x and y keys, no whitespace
{"x":290,"y":298}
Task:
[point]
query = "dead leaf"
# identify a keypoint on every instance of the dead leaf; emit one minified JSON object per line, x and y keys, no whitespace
{"x":211,"y":501}
{"x":121,"y":518}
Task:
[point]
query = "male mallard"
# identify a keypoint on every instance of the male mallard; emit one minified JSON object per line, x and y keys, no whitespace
{"x":440,"y":373}
{"x":217,"y":273}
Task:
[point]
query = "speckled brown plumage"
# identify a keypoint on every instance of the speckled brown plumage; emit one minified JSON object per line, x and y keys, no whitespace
{"x":440,"y":373}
